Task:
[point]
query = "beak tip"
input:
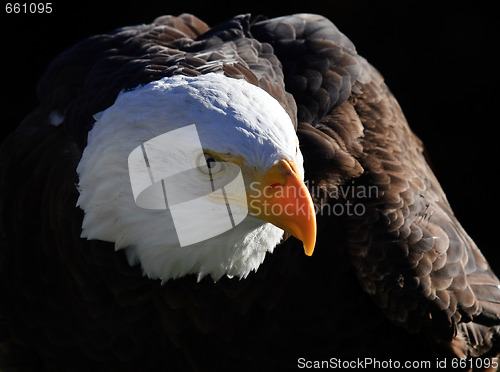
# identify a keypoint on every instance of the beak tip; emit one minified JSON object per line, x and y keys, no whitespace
{"x":309,"y":249}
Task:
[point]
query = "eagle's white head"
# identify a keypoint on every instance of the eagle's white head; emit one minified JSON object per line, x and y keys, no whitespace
{"x":195,"y":175}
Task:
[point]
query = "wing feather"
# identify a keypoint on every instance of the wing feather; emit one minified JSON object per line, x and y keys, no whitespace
{"x":415,"y":219}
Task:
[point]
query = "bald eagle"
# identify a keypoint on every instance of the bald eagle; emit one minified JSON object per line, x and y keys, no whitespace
{"x":156,"y":207}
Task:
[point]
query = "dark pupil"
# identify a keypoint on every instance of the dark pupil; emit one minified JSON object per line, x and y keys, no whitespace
{"x":210,"y":162}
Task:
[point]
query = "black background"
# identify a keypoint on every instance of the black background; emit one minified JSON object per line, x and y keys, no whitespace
{"x":439,"y":59}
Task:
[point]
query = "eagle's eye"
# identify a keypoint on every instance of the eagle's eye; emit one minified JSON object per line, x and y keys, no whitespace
{"x":208,"y":165}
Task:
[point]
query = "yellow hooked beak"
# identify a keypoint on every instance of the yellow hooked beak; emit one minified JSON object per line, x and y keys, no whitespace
{"x":281,"y":198}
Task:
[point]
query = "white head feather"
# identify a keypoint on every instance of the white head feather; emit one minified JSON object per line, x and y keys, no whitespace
{"x":231,"y":116}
